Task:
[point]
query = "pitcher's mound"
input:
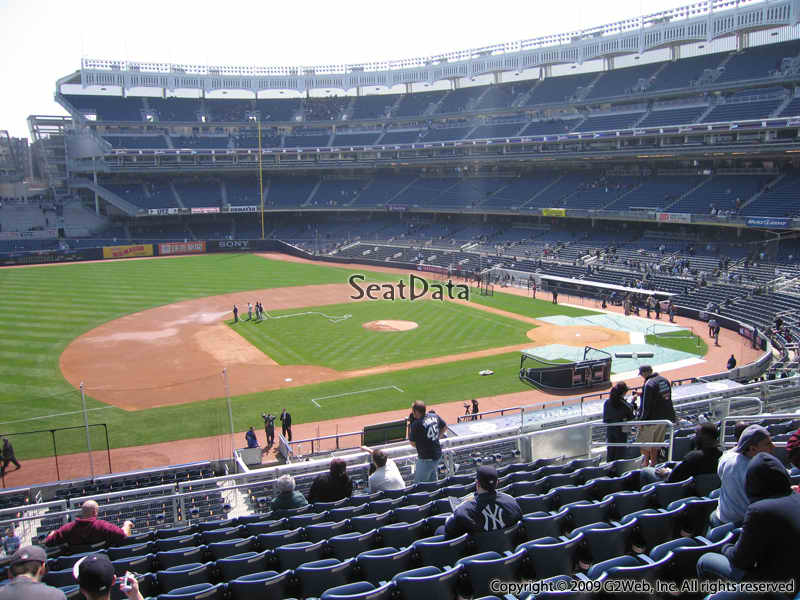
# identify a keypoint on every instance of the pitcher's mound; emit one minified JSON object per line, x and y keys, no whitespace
{"x":389,"y":325}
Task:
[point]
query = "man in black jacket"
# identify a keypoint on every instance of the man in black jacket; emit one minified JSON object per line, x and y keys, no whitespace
{"x":770,"y":530}
{"x":656,"y":405}
{"x":488,"y":510}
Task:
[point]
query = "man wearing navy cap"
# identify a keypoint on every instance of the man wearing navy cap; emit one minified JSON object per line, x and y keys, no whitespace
{"x":488,"y":510}
{"x":732,"y":470}
{"x":26,"y":568}
{"x":96,"y":577}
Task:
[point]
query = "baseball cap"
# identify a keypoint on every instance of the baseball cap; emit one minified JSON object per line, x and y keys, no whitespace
{"x":28,"y":554}
{"x":752,"y":435}
{"x":487,"y":478}
{"x":645,"y":369}
{"x":94,"y":573}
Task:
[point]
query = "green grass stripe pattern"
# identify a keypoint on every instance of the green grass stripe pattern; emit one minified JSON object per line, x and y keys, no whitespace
{"x":685,"y":341}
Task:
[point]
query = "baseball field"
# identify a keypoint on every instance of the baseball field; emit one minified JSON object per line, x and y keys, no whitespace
{"x":149,"y":339}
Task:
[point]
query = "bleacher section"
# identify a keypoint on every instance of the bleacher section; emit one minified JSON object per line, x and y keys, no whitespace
{"x":779,"y":200}
{"x":758,"y":62}
{"x":107,"y":108}
{"x":623,"y":82}
{"x":742,"y":110}
{"x":673,"y":116}
{"x":199,"y":193}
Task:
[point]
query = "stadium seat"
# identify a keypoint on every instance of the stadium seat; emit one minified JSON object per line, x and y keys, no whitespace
{"x":584,"y":512}
{"x":538,"y":503}
{"x":216,"y":524}
{"x":348,"y":545}
{"x":232,"y":547}
{"x":385,"y":504}
{"x":238,"y":565}
{"x":568,"y":494}
{"x":428,"y":582}
{"x":586,"y":474}
{"x":685,"y":554}
{"x":132,"y":550}
{"x":319,"y":575}
{"x":346,"y":512}
{"x":624,"y":465}
{"x":482,"y":568}
{"x":440,"y":552}
{"x":321,"y":531}
{"x":667,"y":493}
{"x":413,"y":512}
{"x":264,"y":527}
{"x":172,"y":532}
{"x":60,"y":578}
{"x":359,"y":590}
{"x":551,"y":556}
{"x":180,"y":556}
{"x":135,"y":564}
{"x":544,"y":524}
{"x":309,"y":518}
{"x":369,"y":521}
{"x":200,"y":591}
{"x":605,"y":542}
{"x":267,"y":585}
{"x":174,"y":543}
{"x":706,"y":483}
{"x":696,"y":515}
{"x":604,"y":486}
{"x":654,"y":527}
{"x":625,"y":503}
{"x":273,"y":539}
{"x":382,"y":564}
{"x":182,"y":575}
{"x":402,"y":534}
{"x":291,"y":556}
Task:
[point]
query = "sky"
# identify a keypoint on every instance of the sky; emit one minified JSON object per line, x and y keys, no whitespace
{"x":43,"y":40}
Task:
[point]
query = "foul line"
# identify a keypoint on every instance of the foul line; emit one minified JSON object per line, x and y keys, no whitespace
{"x":385,"y":387}
{"x":63,"y":414}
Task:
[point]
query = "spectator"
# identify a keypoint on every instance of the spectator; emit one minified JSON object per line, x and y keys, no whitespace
{"x":250,"y":438}
{"x":426,"y":431}
{"x":616,"y":410}
{"x":793,"y":450}
{"x":287,"y":496}
{"x":487,"y":510}
{"x":702,"y":460}
{"x":333,"y":485}
{"x":386,"y":475}
{"x":771,"y":528}
{"x":25,"y":570}
{"x":88,"y":529}
{"x":11,"y":542}
{"x":731,"y":363}
{"x":96,"y":578}
{"x":732,"y":470}
{"x":656,"y":404}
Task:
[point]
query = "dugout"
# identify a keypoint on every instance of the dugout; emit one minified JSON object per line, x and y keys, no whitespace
{"x":594,"y":370}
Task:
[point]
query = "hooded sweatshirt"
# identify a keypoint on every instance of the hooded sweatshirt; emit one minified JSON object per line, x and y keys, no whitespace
{"x":765,"y":549}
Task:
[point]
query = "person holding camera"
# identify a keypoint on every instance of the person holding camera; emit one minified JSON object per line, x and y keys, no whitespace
{"x":96,"y":579}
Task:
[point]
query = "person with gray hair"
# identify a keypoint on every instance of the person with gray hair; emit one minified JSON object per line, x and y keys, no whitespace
{"x":287,"y":497}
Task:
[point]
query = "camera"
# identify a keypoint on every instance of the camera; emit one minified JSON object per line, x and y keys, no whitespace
{"x":126,"y":583}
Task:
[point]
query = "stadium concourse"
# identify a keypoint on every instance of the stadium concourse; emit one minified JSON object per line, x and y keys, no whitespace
{"x":198,"y":449}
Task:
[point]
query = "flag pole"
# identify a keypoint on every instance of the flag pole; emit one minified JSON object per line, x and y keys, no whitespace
{"x":260,"y":179}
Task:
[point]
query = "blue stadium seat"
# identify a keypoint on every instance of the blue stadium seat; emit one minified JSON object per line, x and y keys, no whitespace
{"x":233,"y":567}
{"x":544,"y":524}
{"x":552,"y":556}
{"x":132,"y":550}
{"x":232,"y":547}
{"x":321,"y":531}
{"x":348,"y":545}
{"x":382,"y":564}
{"x":135,"y":564}
{"x":359,"y":590}
{"x":182,"y":575}
{"x":200,"y":591}
{"x":60,"y":578}
{"x":413,"y":512}
{"x":172,"y":532}
{"x":482,"y":568}
{"x":606,"y":541}
{"x":319,"y":575}
{"x":369,"y":521}
{"x":685,"y":554}
{"x":210,"y":536}
{"x":402,"y":534}
{"x":626,"y":503}
{"x":654,"y":527}
{"x":180,"y":556}
{"x":174,"y":543}
{"x":273,"y":539}
{"x":291,"y":556}
{"x":428,"y":582}
{"x":264,"y":527}
{"x":266,"y":585}
{"x":584,"y":512}
{"x":440,"y":552}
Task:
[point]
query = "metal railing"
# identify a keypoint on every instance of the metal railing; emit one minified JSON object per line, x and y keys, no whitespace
{"x":754,"y":418}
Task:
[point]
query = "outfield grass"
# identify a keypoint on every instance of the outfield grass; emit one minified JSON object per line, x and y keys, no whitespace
{"x":678,"y":340}
{"x":443,"y":328}
{"x":42,"y":309}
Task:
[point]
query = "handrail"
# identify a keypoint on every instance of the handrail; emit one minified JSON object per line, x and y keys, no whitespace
{"x":670,"y":427}
{"x":761,"y":417}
